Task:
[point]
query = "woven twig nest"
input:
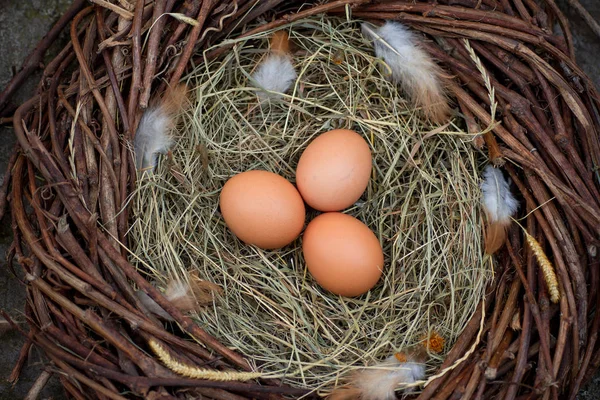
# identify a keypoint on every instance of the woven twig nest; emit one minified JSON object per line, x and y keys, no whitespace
{"x":73,"y":175}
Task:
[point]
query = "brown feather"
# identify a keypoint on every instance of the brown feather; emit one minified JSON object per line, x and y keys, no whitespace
{"x":344,"y":393}
{"x":174,"y":99}
{"x":434,"y":105}
{"x":280,"y":42}
{"x":495,"y":236}
{"x":193,"y":295}
{"x":205,"y":292}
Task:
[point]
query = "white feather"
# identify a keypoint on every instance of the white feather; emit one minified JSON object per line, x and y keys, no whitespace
{"x":381,"y":381}
{"x":395,"y":44}
{"x":275,"y":74}
{"x":176,"y":290}
{"x":375,"y":385}
{"x":411,"y":67}
{"x":498,"y":201}
{"x":152,"y":137}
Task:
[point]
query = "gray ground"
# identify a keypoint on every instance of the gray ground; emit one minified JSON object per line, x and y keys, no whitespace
{"x":22,"y":24}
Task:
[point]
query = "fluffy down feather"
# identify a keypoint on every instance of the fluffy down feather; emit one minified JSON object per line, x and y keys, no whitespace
{"x":381,"y":381}
{"x":276,"y":73}
{"x":499,"y":205}
{"x":152,"y":136}
{"x":412,"y":68}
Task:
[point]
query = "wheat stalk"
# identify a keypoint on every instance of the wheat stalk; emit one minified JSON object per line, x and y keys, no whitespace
{"x":545,"y":265}
{"x":198,"y":373}
{"x":487,"y":82}
{"x":547,"y":268}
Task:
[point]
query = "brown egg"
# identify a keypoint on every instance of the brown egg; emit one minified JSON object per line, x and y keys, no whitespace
{"x":342,"y":254}
{"x":334,"y":170}
{"x":262,"y":208}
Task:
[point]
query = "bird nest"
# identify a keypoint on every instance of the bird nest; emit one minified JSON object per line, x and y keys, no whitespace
{"x":76,"y":202}
{"x":422,"y":204}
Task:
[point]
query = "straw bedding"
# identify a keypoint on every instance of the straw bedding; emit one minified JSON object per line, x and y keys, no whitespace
{"x":422,"y":203}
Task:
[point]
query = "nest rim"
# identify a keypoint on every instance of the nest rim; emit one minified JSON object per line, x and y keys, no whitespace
{"x":541,"y":171}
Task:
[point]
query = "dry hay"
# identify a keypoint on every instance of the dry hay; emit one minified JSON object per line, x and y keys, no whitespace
{"x":422,"y":203}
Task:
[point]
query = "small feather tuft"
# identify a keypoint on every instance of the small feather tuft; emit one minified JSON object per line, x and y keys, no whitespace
{"x":412,"y":68}
{"x":498,"y":201}
{"x":499,"y":205}
{"x":276,"y":74}
{"x":180,"y":295}
{"x":515,"y":323}
{"x":185,"y":296}
{"x":191,"y":296}
{"x":153,"y":133}
{"x":381,"y":381}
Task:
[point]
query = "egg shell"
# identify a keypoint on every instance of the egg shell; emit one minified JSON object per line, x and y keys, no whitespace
{"x":334,"y":170}
{"x":262,"y":208}
{"x":342,"y":254}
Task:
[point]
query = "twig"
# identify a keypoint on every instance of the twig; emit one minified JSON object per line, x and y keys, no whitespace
{"x":578,"y":381}
{"x":111,"y":74}
{"x":141,"y":384}
{"x":23,"y":354}
{"x":462,"y":374}
{"x":6,"y":182}
{"x":319,"y":9}
{"x":152,"y":53}
{"x":137,"y":67}
{"x":461,"y":346}
{"x":38,"y":386}
{"x":205,"y":8}
{"x":76,"y":375}
{"x":532,"y":303}
{"x":114,"y":8}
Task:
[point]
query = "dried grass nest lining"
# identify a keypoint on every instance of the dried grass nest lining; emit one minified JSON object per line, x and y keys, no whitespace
{"x":424,"y":209}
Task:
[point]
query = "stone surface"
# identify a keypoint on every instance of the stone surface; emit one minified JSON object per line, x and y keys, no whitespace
{"x":22,"y":24}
